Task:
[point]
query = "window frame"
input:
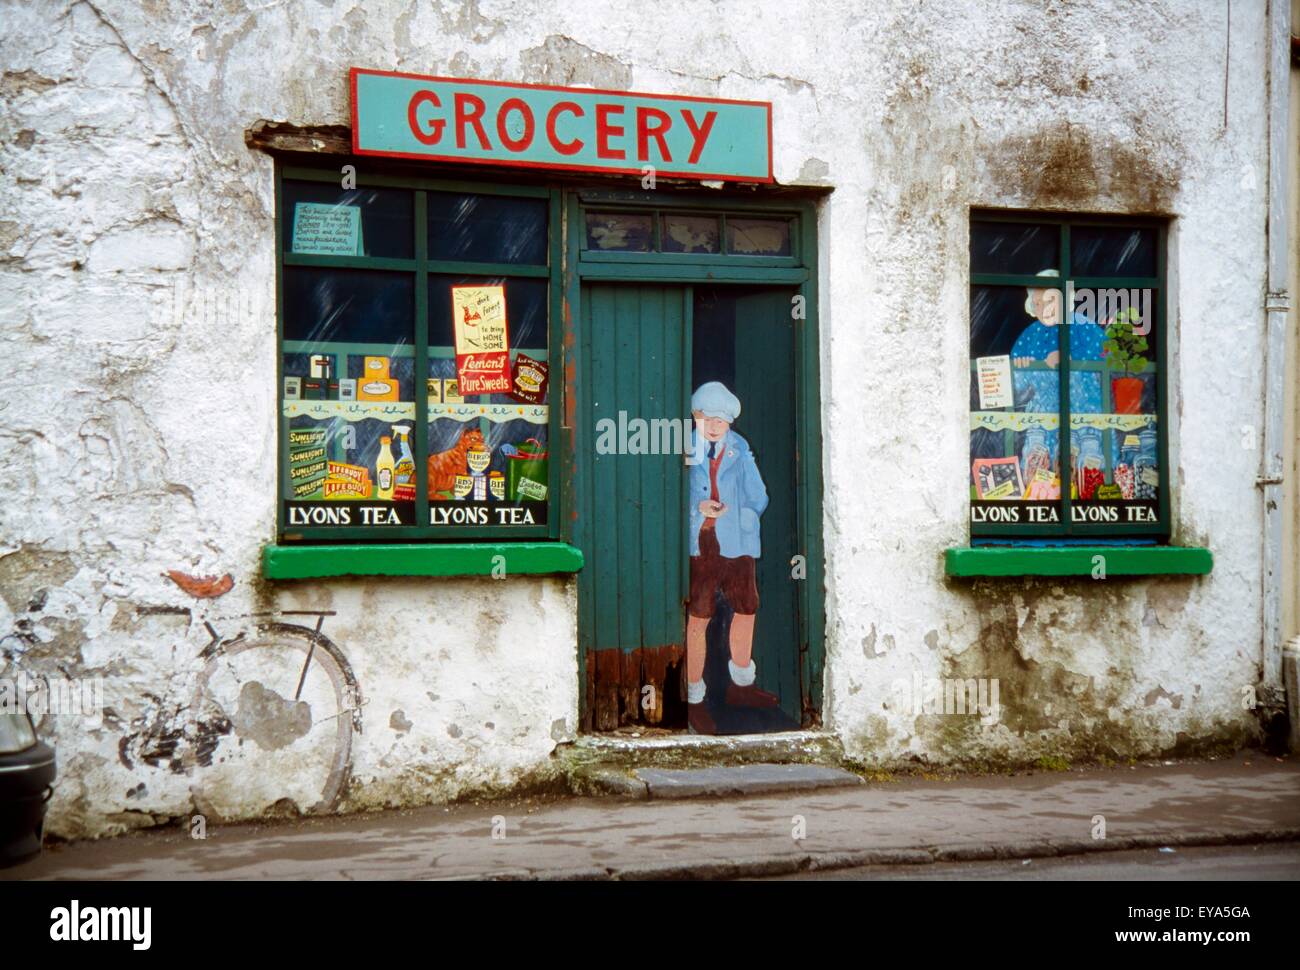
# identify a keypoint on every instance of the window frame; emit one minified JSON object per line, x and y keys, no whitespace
{"x":1068,"y":531}
{"x":420,"y":268}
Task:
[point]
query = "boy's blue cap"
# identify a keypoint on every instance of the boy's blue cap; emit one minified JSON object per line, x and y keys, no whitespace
{"x":713,"y":400}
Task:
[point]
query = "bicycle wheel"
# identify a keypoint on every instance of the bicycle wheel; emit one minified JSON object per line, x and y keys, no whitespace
{"x":281,"y":705}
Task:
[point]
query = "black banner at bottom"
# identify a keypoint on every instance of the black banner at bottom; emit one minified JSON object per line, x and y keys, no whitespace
{"x":333,"y":920}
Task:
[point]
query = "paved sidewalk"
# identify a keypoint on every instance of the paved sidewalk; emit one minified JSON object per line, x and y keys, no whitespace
{"x":1250,"y":798}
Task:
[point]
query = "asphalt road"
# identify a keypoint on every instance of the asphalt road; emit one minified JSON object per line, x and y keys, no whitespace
{"x":1252,"y":863}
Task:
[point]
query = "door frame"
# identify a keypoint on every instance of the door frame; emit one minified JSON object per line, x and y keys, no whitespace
{"x":799,"y":270}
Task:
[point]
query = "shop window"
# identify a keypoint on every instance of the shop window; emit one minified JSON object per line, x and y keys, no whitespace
{"x":486,"y":228}
{"x":414,"y":361}
{"x":1067,"y":378}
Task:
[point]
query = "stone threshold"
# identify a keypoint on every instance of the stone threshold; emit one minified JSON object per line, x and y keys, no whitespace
{"x":697,"y":766}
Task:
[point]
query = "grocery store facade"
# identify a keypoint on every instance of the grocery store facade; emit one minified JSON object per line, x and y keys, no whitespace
{"x":457,"y":386}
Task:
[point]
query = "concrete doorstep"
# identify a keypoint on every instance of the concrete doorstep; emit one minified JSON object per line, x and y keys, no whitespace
{"x":695,"y":766}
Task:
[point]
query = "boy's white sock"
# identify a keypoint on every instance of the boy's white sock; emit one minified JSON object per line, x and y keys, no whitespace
{"x":695,"y":691}
{"x":743,"y":676}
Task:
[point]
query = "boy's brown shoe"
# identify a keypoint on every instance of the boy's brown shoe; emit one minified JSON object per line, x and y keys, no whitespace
{"x":750,"y":696}
{"x":699,"y":719}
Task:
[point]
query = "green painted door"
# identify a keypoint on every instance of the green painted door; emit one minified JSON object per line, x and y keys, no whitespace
{"x":629,"y":501}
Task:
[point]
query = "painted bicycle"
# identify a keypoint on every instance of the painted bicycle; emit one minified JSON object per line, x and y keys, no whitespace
{"x":270,"y":717}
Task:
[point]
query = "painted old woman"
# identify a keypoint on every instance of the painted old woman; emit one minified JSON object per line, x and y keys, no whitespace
{"x":1036,"y":358}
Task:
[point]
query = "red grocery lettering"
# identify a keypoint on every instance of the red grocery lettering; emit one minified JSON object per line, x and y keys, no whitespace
{"x":465,"y":116}
{"x":524,"y":140}
{"x":698,"y":132}
{"x":436,"y":125}
{"x":604,"y":130}
{"x":563,"y":147}
{"x":644,"y":132}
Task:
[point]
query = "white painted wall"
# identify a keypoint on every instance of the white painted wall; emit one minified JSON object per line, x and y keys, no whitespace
{"x":1291,"y":435}
{"x":139,"y":438}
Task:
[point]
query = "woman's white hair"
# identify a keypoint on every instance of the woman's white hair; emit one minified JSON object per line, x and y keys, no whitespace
{"x":1029,"y":300}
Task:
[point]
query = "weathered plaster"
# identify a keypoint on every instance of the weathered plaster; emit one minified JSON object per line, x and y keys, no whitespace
{"x":137,"y":408}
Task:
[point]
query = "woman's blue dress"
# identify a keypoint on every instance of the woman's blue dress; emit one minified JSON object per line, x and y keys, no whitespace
{"x":1038,"y":391}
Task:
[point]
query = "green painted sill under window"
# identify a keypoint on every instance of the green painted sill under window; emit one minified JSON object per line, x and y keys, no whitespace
{"x":965,"y":561}
{"x":431,"y":559}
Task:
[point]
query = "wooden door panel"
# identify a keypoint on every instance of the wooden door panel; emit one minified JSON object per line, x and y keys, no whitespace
{"x":630,"y":517}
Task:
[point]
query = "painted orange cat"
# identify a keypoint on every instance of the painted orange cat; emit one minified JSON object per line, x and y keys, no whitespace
{"x":446,"y":465}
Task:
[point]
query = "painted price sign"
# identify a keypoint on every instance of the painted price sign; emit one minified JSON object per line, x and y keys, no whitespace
{"x":541,"y":126}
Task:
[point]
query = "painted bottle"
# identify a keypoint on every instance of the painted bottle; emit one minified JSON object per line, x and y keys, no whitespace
{"x":384,"y":468}
{"x":1145,"y":468}
{"x":1091,"y":463}
{"x":404,"y":470}
{"x":1124,"y":474}
{"x":1035,"y":454}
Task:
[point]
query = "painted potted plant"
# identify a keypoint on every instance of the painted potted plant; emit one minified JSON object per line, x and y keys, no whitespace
{"x":1124,"y":350}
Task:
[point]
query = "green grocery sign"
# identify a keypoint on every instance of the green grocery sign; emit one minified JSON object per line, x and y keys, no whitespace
{"x":576,"y":129}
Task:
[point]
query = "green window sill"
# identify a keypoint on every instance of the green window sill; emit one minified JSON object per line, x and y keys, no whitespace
{"x":1077,"y":560}
{"x":432,"y":559}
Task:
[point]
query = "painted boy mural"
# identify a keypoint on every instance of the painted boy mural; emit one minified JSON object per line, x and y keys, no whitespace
{"x":727,"y":497}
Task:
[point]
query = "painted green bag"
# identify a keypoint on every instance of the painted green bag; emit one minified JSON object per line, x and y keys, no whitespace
{"x":526,"y":473}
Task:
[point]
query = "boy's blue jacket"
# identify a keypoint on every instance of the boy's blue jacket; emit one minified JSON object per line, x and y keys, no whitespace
{"x":740,"y":489}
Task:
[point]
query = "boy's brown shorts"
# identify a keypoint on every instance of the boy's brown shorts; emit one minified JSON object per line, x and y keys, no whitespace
{"x":711,"y":570}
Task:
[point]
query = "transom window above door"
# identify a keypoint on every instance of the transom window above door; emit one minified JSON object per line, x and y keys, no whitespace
{"x":688,"y":232}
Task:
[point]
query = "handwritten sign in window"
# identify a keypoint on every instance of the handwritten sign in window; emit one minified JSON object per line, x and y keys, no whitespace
{"x":994,"y":382}
{"x":327,"y":230}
